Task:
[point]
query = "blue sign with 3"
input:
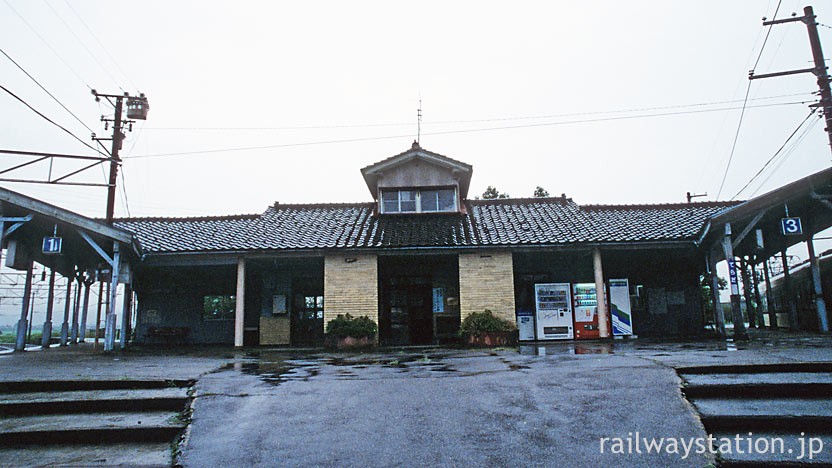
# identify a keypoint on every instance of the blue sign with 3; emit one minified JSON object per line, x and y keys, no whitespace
{"x":792,"y":226}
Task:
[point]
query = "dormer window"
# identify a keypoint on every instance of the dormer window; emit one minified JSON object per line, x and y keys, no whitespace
{"x":434,"y":200}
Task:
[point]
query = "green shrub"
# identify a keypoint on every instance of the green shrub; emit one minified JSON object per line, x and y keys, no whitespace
{"x":484,"y":322}
{"x":343,"y":326}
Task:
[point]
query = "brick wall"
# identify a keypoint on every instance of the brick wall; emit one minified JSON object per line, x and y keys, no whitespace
{"x":351,"y":286}
{"x":274,"y":330}
{"x":486,"y":281}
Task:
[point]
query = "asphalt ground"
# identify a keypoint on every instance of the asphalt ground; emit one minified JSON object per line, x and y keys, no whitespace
{"x":562,"y":404}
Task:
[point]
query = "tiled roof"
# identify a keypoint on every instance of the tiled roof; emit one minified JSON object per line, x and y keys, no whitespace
{"x":532,"y":221}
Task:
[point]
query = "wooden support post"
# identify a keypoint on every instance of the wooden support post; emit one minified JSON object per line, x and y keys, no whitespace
{"x":758,"y":303}
{"x":127,"y":301}
{"x":98,"y":313}
{"x":600,"y":295}
{"x":67,"y":305}
{"x":746,"y":291}
{"x":110,"y":320}
{"x":788,"y":296}
{"x":736,"y":308}
{"x":46,"y":334}
{"x":22,"y":324}
{"x":772,"y":313}
{"x":84,"y":311}
{"x":820,"y":304}
{"x":76,"y":305}
{"x":239,"y":310}
{"x":719,"y":315}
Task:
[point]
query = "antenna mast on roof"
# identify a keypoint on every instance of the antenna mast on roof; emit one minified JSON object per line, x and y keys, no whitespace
{"x":419,"y":121}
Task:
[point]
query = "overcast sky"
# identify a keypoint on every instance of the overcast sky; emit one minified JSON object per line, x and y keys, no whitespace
{"x":610,"y":102}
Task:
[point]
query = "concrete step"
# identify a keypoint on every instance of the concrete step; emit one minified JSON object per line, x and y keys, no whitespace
{"x":780,"y":378}
{"x":751,"y":423}
{"x":758,"y":368}
{"x":139,"y":455}
{"x":94,"y":401}
{"x":773,"y":457}
{"x":779,"y":407}
{"x":29,"y":386}
{"x":85,"y":428}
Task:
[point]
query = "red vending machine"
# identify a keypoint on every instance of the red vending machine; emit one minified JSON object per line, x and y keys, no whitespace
{"x":586,"y":311}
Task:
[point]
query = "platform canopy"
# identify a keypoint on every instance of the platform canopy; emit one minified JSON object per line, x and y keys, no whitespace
{"x":86,"y":244}
{"x":809,"y":200}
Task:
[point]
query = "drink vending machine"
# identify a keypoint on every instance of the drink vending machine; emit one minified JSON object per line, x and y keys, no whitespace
{"x":586,"y":311}
{"x":553,"y":304}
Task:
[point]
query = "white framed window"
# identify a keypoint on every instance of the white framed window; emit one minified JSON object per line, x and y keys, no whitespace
{"x":418,"y":201}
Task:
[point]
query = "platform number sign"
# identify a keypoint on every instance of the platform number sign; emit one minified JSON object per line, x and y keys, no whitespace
{"x":52,"y":245}
{"x":792,"y":226}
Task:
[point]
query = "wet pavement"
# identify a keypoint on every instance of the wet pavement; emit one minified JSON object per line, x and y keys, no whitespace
{"x":536,"y":405}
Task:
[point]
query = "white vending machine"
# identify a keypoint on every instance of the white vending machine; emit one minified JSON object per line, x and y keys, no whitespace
{"x":553,"y":303}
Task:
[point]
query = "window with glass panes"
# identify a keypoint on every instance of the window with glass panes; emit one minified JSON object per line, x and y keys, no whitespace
{"x":418,"y":201}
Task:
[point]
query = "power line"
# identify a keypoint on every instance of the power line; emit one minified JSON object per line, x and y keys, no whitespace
{"x":47,"y":45}
{"x":124,"y":193}
{"x":47,"y":92}
{"x":786,"y":155}
{"x":448,"y":132}
{"x":776,"y":153}
{"x":497,"y":119}
{"x":95,"y":59}
{"x":745,"y":100}
{"x":48,"y":119}
{"x":100,"y":44}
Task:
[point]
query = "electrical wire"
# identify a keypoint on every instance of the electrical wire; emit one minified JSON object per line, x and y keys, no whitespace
{"x":742,"y":113}
{"x":498,"y":119}
{"x":94,"y":58}
{"x":788,"y":153}
{"x":47,"y":44}
{"x":100,"y":44}
{"x":470,"y":130}
{"x":50,"y":94}
{"x":123,"y":187}
{"x":48,"y":119}
{"x":776,"y":153}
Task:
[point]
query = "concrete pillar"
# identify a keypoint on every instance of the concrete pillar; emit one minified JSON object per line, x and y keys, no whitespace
{"x":110,"y":319}
{"x":788,"y":296}
{"x":719,"y":315}
{"x":600,"y":295}
{"x":239,"y":309}
{"x":76,"y":304}
{"x":23,"y":323}
{"x":50,"y":298}
{"x":736,"y":309}
{"x":772,"y":313}
{"x":83,"y":334}
{"x":67,"y":305}
{"x":820,"y":304}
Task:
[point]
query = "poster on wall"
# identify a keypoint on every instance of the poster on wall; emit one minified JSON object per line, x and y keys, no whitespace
{"x":438,"y":300}
{"x":622,"y":318}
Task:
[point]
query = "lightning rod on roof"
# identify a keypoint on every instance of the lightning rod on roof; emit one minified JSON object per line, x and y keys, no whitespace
{"x":419,"y":121}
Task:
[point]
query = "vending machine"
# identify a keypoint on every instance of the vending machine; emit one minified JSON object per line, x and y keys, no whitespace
{"x":620,"y":310}
{"x":554,"y":311}
{"x":586,"y":311}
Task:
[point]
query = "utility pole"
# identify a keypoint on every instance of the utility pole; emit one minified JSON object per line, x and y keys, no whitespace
{"x":137,"y":108}
{"x":819,"y":70}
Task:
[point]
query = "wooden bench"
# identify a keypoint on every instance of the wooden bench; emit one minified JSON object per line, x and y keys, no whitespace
{"x":168,"y":335}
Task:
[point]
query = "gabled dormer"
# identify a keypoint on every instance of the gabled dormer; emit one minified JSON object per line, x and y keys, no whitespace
{"x":418,"y":181}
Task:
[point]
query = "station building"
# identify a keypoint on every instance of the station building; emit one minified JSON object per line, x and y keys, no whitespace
{"x":418,"y":257}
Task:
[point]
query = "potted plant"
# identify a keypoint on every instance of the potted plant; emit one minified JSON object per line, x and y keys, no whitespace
{"x":346,"y":331}
{"x":485,"y":329}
